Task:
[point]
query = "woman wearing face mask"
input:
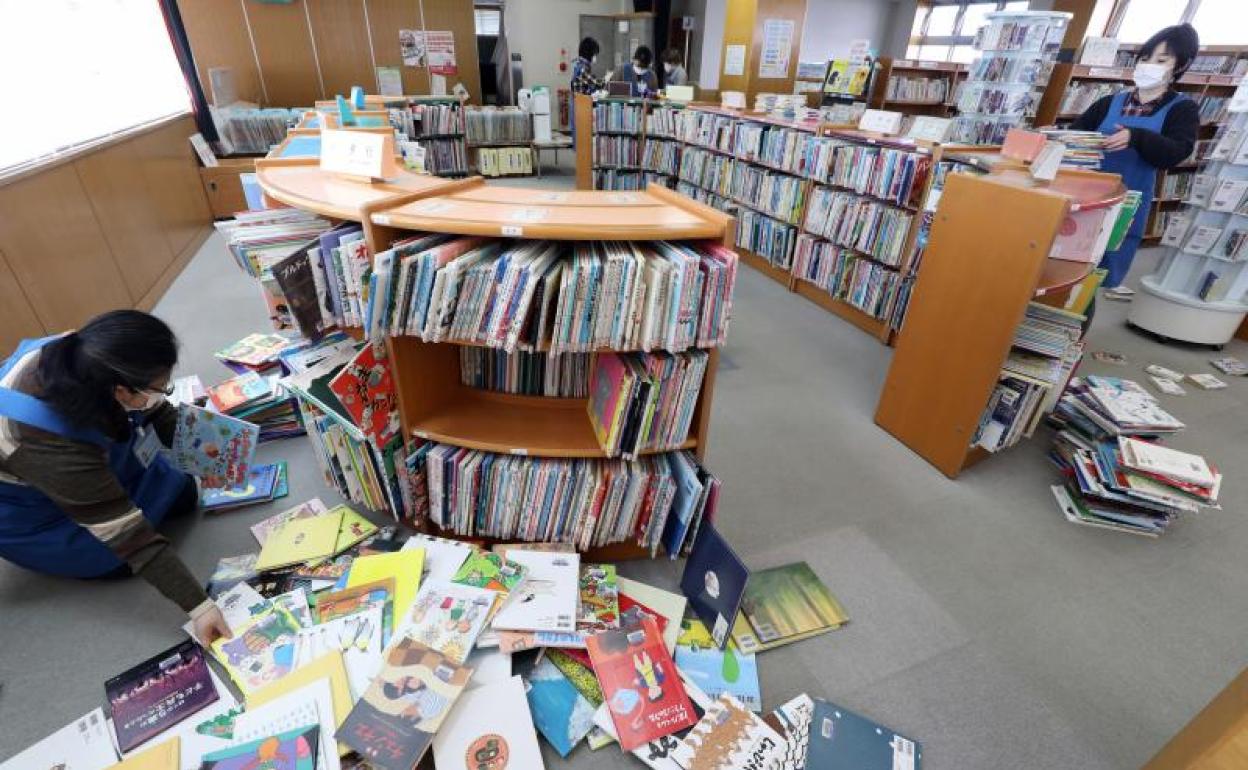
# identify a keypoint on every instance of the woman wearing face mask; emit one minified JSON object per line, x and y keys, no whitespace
{"x":1149,"y":127}
{"x":673,"y":71}
{"x":639,"y":75}
{"x":583,"y":80}
{"x":82,"y":485}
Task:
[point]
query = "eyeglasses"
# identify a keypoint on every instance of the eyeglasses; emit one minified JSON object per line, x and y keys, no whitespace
{"x":167,"y":390}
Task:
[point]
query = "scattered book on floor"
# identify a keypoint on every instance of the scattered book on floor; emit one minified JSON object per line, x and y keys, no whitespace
{"x":717,"y":671}
{"x":158,"y":693}
{"x":1207,"y":381}
{"x":1167,"y":386}
{"x":783,"y":605}
{"x":1110,"y":357}
{"x":264,"y":483}
{"x":599,"y":598}
{"x":657,"y":754}
{"x":305,"y":510}
{"x":311,"y":705}
{"x":448,"y":617}
{"x":1157,"y":370}
{"x":561,"y":713}
{"x":547,"y":599}
{"x":302,"y":744}
{"x":667,"y":607}
{"x":86,"y":742}
{"x":843,"y":740}
{"x":261,"y":652}
{"x":715,"y":580}
{"x":230,"y":571}
{"x":489,"y":728}
{"x":792,"y":720}
{"x":301,"y":540}
{"x":728,"y":737}
{"x":1230,"y":365}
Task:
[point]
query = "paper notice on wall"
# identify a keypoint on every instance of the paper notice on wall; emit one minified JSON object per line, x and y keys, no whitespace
{"x":734,"y":60}
{"x":390,"y":81}
{"x":412,"y":47}
{"x":1099,"y":51}
{"x":440,"y":48}
{"x":777,"y":46}
{"x":437,"y":84}
{"x":811,"y":70}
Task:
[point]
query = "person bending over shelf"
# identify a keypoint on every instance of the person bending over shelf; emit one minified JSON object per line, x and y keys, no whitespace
{"x":82,"y":485}
{"x":639,"y":75}
{"x":673,"y":69}
{"x":1149,"y":127}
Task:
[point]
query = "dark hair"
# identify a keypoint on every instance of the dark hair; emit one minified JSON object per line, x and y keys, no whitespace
{"x":1182,"y":41}
{"x":78,"y":372}
{"x":672,"y":56}
{"x":588,"y":49}
{"x":643,"y":55}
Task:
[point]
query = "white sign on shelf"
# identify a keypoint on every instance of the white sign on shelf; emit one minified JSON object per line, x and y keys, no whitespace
{"x":1049,"y":160}
{"x":929,"y":128}
{"x":880,"y":121}
{"x":1239,"y":100}
{"x":1104,"y":72}
{"x":359,"y":153}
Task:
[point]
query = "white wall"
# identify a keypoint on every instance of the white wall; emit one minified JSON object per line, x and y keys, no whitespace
{"x":712,"y":43}
{"x":537,"y":29}
{"x":832,"y":24}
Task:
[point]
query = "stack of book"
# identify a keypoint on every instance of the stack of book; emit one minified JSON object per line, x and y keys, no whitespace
{"x":1083,"y":148}
{"x":429,"y":120}
{"x":1118,"y":477}
{"x":644,"y":402}
{"x":261,"y":401}
{"x":498,"y":125}
{"x":260,"y":239}
{"x":255,"y":353}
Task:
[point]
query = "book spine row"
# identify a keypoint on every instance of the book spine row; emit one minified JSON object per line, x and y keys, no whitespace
{"x":488,"y":126}
{"x":617,"y":151}
{"x":618,"y":116}
{"x":526,"y":373}
{"x":865,"y":225}
{"x":618,"y":179}
{"x":661,"y":156}
{"x":917,"y":89}
{"x":769,"y":238}
{"x":446,"y":156}
{"x":780,"y":148}
{"x":430,"y":120}
{"x":997,"y":99}
{"x":715,"y":131}
{"x":709,"y":170}
{"x":845,"y":275}
{"x":703,"y":196}
{"x":895,"y":176}
{"x":504,"y":161}
{"x":662,"y":122}
{"x":642,"y":402}
{"x":779,"y":195}
{"x":1011,"y":69}
{"x":355,"y":468}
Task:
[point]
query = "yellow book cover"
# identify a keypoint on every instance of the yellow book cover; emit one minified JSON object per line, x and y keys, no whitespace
{"x":301,"y":540}
{"x":404,"y":566}
{"x":329,"y":666}
{"x":164,"y":756}
{"x":353,"y":529}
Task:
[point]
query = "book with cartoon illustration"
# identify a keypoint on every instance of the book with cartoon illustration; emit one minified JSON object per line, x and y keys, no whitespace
{"x":600,"y":598}
{"x":562,"y":714}
{"x":730,"y":737}
{"x":291,"y":750}
{"x":717,"y":671}
{"x":300,"y":540}
{"x":448,"y":617}
{"x":355,"y":528}
{"x":393,"y":724}
{"x":365,"y":388}
{"x":207,"y":444}
{"x":792,"y":721}
{"x":158,"y":693}
{"x":261,"y":653}
{"x":639,"y":682}
{"x":305,"y":510}
{"x":239,"y":391}
{"x":547,"y":599}
{"x":254,"y":350}
{"x":329,"y":605}
{"x":261,"y":487}
{"x":489,"y":570}
{"x":657,"y":754}
{"x":489,"y":729}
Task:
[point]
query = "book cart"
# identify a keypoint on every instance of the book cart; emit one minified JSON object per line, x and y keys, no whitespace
{"x":970,"y":295}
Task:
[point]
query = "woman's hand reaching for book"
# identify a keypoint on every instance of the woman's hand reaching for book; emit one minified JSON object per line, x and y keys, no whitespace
{"x":210,"y":625}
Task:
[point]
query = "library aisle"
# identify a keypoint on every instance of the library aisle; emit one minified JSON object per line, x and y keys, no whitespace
{"x":981,"y":620}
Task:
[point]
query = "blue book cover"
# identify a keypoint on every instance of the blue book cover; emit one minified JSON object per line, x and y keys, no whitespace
{"x":843,"y":740}
{"x":717,"y":672}
{"x":261,"y":484}
{"x":302,"y":147}
{"x":684,"y":503}
{"x":714,"y":581}
{"x":560,"y":712}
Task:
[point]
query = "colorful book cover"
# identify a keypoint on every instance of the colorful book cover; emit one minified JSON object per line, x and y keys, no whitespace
{"x":366,"y":389}
{"x":306,"y":510}
{"x":338,"y":604}
{"x":158,"y":693}
{"x":448,"y":617}
{"x":563,"y":716}
{"x":300,"y":540}
{"x":667,"y":606}
{"x":489,"y":729}
{"x":239,"y":391}
{"x":330,"y":569}
{"x":290,"y":750}
{"x":260,"y":488}
{"x":607,"y":400}
{"x":262,"y":653}
{"x":789,"y":603}
{"x":640,"y":684}
{"x":657,"y":754}
{"x":241,"y":605}
{"x":600,"y":598}
{"x":792,"y":721}
{"x":255,"y":349}
{"x":394,"y":723}
{"x":517,"y":641}
{"x":404,"y":567}
{"x":281,"y":488}
{"x":230,"y":571}
{"x":546,"y":600}
{"x":163,"y":756}
{"x":715,"y":581}
{"x":443,"y":557}
{"x":354,"y":530}
{"x":717,"y":671}
{"x":211,"y":445}
{"x":296,"y":603}
{"x":580,"y":675}
{"x":489,"y":570}
{"x":730,"y":737}
{"x":843,"y":740}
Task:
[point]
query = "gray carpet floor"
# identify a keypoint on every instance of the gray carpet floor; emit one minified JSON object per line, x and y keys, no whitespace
{"x":983,"y":624}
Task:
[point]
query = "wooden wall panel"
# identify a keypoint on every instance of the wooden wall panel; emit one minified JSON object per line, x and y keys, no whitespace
{"x":57,"y":250}
{"x":169,"y":164}
{"x":385,"y":19}
{"x":121,"y":197}
{"x":218,"y":34}
{"x":738,"y":30}
{"x":342,"y":45}
{"x":284,"y":47}
{"x":17,"y":319}
{"x":457,"y":16}
{"x":791,"y":10}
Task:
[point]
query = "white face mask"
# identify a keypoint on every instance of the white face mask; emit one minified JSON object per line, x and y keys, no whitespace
{"x":150,"y":401}
{"x":640,"y":70}
{"x":1148,"y":75}
{"x":668,"y":68}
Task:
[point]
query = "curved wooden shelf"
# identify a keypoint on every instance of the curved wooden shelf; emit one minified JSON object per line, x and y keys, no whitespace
{"x":301,"y":183}
{"x":1086,"y":190}
{"x":1057,"y":274}
{"x":655,"y":213}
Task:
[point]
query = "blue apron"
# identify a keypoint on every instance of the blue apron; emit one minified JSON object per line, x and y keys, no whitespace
{"x":1137,"y":174}
{"x":34,"y":532}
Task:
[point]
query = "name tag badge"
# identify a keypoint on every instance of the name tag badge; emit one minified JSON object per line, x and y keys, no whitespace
{"x":146,"y":447}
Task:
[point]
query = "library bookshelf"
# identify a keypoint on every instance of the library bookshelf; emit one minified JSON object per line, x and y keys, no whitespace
{"x":971,"y":293}
{"x":888,"y":92}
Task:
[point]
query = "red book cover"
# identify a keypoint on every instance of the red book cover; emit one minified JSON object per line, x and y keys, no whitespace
{"x":639,"y":683}
{"x":366,"y":389}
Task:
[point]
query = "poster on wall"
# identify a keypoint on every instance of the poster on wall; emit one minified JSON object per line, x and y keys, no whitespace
{"x":412,"y":47}
{"x":440,"y":50}
{"x":777,"y":42}
{"x":734,"y":60}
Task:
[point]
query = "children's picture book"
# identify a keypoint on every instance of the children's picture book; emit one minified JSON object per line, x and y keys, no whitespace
{"x":785,"y":604}
{"x":792,"y":721}
{"x":366,"y":389}
{"x":489,"y":729}
{"x":639,"y":683}
{"x":1110,"y":357}
{"x":1230,"y":365}
{"x":305,"y":510}
{"x":261,"y":487}
{"x":1168,"y":386}
{"x":717,"y":671}
{"x":579,"y":674}
{"x":600,"y":598}
{"x":158,"y":693}
{"x":84,"y":743}
{"x":562,"y":714}
{"x":239,"y":391}
{"x":657,"y":754}
{"x":291,"y":750}
{"x":300,"y":283}
{"x":667,"y":607}
{"x":1207,"y":381}
{"x":355,"y":638}
{"x":448,"y":617}
{"x":489,"y":570}
{"x":714,"y":580}
{"x":404,"y":567}
{"x":300,"y":540}
{"x":330,"y":570}
{"x":254,"y":349}
{"x":547,"y":599}
{"x":214,"y":446}
{"x":295,"y":602}
{"x":443,"y":557}
{"x":309,"y":705}
{"x":337,"y":604}
{"x":394,"y":723}
{"x":262,"y":653}
{"x":230,"y":571}
{"x":730,"y":737}
{"x":241,"y":605}
{"x":355,"y":528}
{"x":843,"y":740}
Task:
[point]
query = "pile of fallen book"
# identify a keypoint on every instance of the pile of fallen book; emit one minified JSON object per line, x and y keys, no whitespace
{"x":355,"y":648}
{"x":1118,"y":476}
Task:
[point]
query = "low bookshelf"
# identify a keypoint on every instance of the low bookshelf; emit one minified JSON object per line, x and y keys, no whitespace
{"x":917,"y":87}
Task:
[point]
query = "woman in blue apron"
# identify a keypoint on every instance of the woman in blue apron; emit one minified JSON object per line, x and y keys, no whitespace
{"x":1147,"y":128}
{"x":82,"y":483}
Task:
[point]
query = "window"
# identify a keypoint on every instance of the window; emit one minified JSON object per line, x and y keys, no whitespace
{"x":1144,"y":17}
{"x":112,"y":59}
{"x":1100,"y":15}
{"x":976,"y":16}
{"x":941,"y":21}
{"x":945,"y":31}
{"x":1221,"y":22}
{"x":488,"y":21}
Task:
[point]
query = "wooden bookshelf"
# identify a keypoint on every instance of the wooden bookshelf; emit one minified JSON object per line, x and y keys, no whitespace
{"x":300,"y":182}
{"x":970,"y":294}
{"x":953,"y":73}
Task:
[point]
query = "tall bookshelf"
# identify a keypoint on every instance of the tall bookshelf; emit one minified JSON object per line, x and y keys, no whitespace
{"x":987,"y":259}
{"x":437,"y":124}
{"x":917,"y":87}
{"x":505,"y":149}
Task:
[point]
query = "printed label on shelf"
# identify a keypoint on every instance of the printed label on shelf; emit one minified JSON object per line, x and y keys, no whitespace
{"x":527,"y":215}
{"x":519,"y":451}
{"x":358,"y":154}
{"x":553,"y":197}
{"x":1105,"y":72}
{"x":513,"y":231}
{"x":622,"y":198}
{"x":381,"y":219}
{"x":420,"y":434}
